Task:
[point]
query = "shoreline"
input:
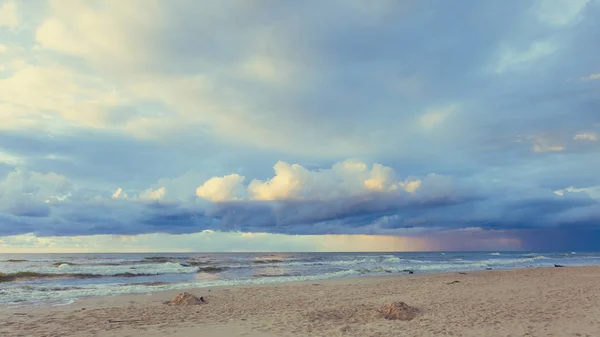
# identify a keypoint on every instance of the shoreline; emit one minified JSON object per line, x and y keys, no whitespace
{"x":539,"y":301}
{"x":356,"y":279}
{"x":58,"y":279}
{"x":249,"y":283}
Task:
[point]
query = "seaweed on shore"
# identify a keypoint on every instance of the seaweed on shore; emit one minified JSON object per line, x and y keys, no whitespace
{"x":16,"y":260}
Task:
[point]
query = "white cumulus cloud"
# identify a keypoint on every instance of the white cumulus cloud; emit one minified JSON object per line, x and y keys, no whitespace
{"x":347,"y":179}
{"x":222,"y":188}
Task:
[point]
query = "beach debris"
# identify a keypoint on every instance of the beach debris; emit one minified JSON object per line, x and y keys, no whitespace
{"x":398,"y":310}
{"x":410,"y":271}
{"x":453,"y":282}
{"x":462,"y":273}
{"x":558,"y":265}
{"x":185,"y":298}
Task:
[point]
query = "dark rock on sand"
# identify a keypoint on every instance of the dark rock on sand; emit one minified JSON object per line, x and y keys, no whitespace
{"x":558,"y":265}
{"x":398,"y":310}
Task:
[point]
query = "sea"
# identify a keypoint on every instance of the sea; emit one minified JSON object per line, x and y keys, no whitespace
{"x":60,"y":279}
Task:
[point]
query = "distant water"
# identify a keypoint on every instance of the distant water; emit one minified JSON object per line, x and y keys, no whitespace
{"x":61,"y":278}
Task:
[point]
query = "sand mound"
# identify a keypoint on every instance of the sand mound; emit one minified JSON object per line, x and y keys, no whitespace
{"x":398,"y":310}
{"x":185,"y":299}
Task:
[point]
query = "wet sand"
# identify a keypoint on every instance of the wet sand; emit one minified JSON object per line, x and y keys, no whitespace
{"x":519,"y":302}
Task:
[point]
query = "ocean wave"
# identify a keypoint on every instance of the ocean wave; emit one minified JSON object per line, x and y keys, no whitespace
{"x":28,"y":276}
{"x":372,"y":270}
{"x":212,"y":269}
{"x":148,"y":284}
{"x":32,"y":276}
{"x":35,"y":296}
{"x":195,"y":263}
{"x":391,"y":260}
{"x":272,"y":275}
{"x":44,"y":288}
{"x":466,"y":265}
{"x":108,"y":270}
{"x":268,"y":261}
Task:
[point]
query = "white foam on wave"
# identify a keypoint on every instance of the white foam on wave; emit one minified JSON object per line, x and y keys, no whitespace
{"x":67,"y":301}
{"x":34,"y":296}
{"x":466,"y":265}
{"x":364,"y":261}
{"x":136,"y":269}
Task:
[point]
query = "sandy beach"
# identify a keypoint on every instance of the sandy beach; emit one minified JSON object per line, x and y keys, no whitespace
{"x":519,"y":302}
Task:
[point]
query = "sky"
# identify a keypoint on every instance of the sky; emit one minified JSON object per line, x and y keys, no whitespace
{"x":269,"y":125}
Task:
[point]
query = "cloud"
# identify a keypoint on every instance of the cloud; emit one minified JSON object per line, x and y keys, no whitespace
{"x":548,"y":148}
{"x":593,"y":192}
{"x":221,"y":188}
{"x":560,"y":12}
{"x":345,"y":179}
{"x":37,"y":92}
{"x":153,"y":195}
{"x":119,"y":194}
{"x":591,"y":77}
{"x":119,"y":30}
{"x":511,"y":58}
{"x":586,"y":136}
{"x":9,"y":15}
{"x":29,"y":194}
{"x":434,"y":117}
{"x":351,"y":197}
{"x":266,"y":69}
{"x":170,"y":120}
